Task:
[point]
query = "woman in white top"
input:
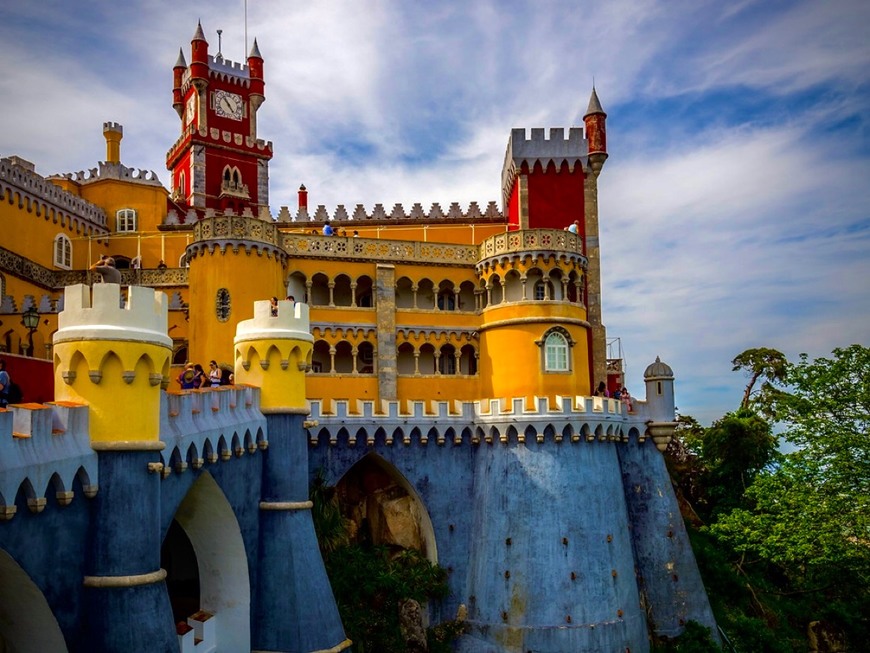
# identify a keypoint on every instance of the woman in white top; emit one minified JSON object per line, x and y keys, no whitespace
{"x":214,"y":373}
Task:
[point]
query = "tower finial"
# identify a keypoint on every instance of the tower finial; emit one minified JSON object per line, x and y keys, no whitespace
{"x":219,"y":54}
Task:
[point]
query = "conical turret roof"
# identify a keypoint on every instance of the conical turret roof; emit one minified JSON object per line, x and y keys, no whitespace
{"x":255,"y":51}
{"x":594,"y":105}
{"x":198,"y":35}
{"x":180,"y":63}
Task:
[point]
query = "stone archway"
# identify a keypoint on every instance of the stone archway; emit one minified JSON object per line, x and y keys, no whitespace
{"x":27,"y":624}
{"x":210,"y":525}
{"x":383,"y":507}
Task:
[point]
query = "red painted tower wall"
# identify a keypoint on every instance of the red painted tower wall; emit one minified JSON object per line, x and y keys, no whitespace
{"x":556,"y":197}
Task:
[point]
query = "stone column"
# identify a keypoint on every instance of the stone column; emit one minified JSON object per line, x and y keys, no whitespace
{"x":385,"y":292}
{"x":593,"y":276}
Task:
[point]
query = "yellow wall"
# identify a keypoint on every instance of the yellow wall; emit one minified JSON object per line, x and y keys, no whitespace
{"x":511,"y":364}
{"x":120,"y":411}
{"x":248,"y":277}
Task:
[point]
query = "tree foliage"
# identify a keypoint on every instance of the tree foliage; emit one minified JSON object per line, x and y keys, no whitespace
{"x":734,"y":450}
{"x":787,"y":539}
{"x":761,"y":362}
{"x":370,"y":582}
{"x":811,"y":514}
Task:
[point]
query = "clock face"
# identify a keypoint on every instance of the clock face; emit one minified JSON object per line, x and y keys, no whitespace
{"x":228,"y":105}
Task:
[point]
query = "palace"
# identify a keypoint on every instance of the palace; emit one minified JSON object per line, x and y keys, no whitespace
{"x":447,"y":354}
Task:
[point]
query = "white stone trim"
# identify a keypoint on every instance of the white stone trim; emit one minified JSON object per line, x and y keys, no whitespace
{"x":286,"y":505}
{"x":125,"y":581}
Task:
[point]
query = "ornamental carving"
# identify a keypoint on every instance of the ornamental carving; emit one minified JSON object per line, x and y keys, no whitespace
{"x":38,"y":275}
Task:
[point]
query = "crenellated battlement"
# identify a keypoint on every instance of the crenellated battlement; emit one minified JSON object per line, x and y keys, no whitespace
{"x":574,"y":419}
{"x":33,"y":191}
{"x":290,"y":323}
{"x":219,"y":65}
{"x":97,"y":314}
{"x":43,"y":450}
{"x":116,"y":171}
{"x":208,"y":425}
{"x":398,"y":213}
{"x":539,"y":148}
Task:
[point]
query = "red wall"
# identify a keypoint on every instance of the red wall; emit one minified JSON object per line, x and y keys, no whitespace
{"x":34,"y":375}
{"x":514,"y":207}
{"x":556,"y":198}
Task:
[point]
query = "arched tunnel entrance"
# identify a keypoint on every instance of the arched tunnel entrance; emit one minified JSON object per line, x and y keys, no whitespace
{"x":27,"y":624}
{"x":207,"y":567}
{"x":178,"y":558}
{"x":383,"y":508}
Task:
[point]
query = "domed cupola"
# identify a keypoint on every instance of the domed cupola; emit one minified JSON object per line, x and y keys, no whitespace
{"x":658,"y":371}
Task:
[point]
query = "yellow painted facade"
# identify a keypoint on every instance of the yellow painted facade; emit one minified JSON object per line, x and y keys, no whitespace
{"x":408,"y":308}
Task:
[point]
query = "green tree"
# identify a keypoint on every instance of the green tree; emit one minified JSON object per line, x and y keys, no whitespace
{"x":734,"y":450}
{"x":761,"y":362}
{"x":809,"y":516}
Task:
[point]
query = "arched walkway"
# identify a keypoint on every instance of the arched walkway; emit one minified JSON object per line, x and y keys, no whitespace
{"x":210,"y":525}
{"x":27,"y":624}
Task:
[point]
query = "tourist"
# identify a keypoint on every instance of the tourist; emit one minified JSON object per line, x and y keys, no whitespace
{"x":105,"y":267}
{"x":328,"y":230}
{"x":273,"y":305}
{"x":185,"y":379}
{"x":626,"y":399}
{"x":601,"y":390}
{"x":574,"y":227}
{"x":200,"y":380}
{"x":214,"y":374}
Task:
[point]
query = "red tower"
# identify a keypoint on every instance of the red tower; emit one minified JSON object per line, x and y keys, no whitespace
{"x":218,"y":162}
{"x":550,"y":181}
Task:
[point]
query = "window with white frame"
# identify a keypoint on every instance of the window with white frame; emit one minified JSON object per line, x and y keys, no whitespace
{"x":62,"y":252}
{"x":556,"y":347}
{"x":125,"y":220}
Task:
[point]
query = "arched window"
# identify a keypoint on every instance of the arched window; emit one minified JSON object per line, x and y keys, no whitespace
{"x":223,"y":305}
{"x":556,"y":353}
{"x":62,"y":252}
{"x":125,"y":220}
{"x":556,"y":345}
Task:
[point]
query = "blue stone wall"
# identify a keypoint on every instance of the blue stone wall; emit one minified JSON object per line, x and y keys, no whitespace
{"x":443,"y":478}
{"x":668,"y":575}
{"x":52,"y":548}
{"x":125,"y":541}
{"x":562,"y":507}
{"x":239,"y":480}
{"x":552,"y":567}
{"x":295,"y":608}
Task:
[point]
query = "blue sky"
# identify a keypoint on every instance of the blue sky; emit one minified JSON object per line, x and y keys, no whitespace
{"x":735,"y":206}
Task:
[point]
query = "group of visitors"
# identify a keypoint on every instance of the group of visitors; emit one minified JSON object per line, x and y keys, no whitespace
{"x":193,"y":376}
{"x":328,"y":230}
{"x":619,"y":393}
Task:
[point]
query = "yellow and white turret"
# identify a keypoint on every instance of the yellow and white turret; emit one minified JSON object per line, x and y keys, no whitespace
{"x":114,"y":359}
{"x":273,"y":352}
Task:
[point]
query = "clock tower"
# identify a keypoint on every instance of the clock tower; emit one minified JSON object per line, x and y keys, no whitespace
{"x":218,"y":162}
